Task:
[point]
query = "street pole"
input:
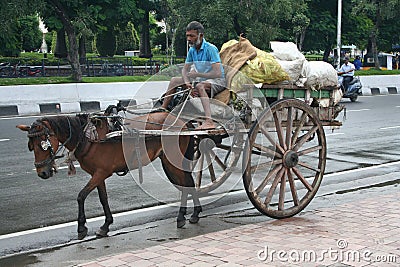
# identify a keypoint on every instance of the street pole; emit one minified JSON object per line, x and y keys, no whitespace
{"x":339,"y":32}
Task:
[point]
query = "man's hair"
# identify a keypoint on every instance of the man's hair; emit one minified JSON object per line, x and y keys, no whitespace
{"x":195,"y":25}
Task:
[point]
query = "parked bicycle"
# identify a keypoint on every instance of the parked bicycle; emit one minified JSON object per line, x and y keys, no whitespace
{"x":111,"y":69}
{"x":16,"y":71}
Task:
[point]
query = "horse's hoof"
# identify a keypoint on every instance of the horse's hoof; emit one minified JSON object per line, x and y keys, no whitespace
{"x":101,"y":233}
{"x":180,"y":223}
{"x":194,"y":219}
{"x":83,"y":234}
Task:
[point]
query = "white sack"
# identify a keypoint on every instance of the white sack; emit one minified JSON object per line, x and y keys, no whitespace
{"x":286,"y":51}
{"x":293,"y":68}
{"x":319,"y":74}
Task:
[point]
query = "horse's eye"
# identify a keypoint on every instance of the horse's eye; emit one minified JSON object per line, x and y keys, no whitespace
{"x":45,"y":145}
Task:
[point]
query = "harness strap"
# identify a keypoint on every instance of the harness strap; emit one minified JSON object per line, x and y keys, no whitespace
{"x":135,"y":134}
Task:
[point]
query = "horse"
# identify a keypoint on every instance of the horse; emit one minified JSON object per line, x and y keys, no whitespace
{"x":104,"y":156}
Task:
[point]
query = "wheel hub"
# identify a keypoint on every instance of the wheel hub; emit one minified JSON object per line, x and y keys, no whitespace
{"x":290,"y":159}
{"x":206,"y":145}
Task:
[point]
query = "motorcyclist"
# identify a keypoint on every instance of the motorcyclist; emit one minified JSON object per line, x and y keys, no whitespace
{"x":347,"y":72}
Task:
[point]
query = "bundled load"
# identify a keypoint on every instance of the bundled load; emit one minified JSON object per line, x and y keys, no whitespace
{"x":253,"y":63}
{"x":285,"y":64}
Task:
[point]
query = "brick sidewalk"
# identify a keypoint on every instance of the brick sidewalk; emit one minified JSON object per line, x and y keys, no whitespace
{"x":361,"y":233}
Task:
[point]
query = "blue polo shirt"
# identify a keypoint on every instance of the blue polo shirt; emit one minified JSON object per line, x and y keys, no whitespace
{"x":204,"y":57}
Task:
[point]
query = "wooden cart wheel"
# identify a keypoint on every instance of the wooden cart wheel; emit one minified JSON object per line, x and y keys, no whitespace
{"x":215,"y":158}
{"x":284,"y":158}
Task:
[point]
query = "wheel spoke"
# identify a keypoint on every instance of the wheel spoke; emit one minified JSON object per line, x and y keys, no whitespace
{"x":293,"y":188}
{"x":274,"y":185}
{"x":279,"y":131}
{"x":289,"y":126}
{"x":218,"y":160}
{"x":302,"y":179}
{"x":299,"y":127}
{"x":305,"y":165}
{"x":282,"y":191}
{"x":200,"y":173}
{"x":210,"y":167}
{"x":265,"y":165}
{"x":271,"y":139}
{"x":305,"y":137}
{"x":267,"y":150}
{"x":309,"y":150}
{"x":266,"y":180}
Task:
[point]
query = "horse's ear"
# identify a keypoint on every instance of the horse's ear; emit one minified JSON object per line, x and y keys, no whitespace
{"x":23,"y":127}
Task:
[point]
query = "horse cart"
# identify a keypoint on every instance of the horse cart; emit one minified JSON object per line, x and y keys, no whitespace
{"x":281,"y":140}
{"x":278,"y":130}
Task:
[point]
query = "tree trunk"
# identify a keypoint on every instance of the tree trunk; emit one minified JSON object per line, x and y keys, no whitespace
{"x":61,"y":46}
{"x":374,"y":49}
{"x":82,"y":50}
{"x":73,"y":55}
{"x":327,"y":51}
{"x":145,"y":49}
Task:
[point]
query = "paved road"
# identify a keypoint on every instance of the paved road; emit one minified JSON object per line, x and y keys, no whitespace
{"x":370,"y":136}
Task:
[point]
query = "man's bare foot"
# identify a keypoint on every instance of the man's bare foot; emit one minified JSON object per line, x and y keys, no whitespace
{"x":207,"y":125}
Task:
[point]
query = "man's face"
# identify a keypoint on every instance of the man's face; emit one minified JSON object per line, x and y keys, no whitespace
{"x":193,"y":38}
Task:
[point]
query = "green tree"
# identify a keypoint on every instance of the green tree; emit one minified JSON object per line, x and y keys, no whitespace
{"x":31,"y":36}
{"x":321,"y":32}
{"x":80,"y":19}
{"x":259,"y":20}
{"x":127,"y":38}
{"x":10,"y":12}
{"x":379,"y":12}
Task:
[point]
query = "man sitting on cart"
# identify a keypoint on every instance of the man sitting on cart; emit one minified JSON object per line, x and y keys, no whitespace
{"x":203,"y":64}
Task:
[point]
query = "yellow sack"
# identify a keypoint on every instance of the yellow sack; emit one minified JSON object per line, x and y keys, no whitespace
{"x":263,"y":68}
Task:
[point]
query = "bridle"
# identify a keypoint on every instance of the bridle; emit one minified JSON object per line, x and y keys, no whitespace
{"x":46,"y":144}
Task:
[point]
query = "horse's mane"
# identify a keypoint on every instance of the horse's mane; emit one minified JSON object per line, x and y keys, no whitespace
{"x":67,"y":126}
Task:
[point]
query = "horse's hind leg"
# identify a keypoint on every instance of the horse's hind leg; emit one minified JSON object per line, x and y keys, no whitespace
{"x":197,"y":208}
{"x":104,"y":229}
{"x":181,"y":220}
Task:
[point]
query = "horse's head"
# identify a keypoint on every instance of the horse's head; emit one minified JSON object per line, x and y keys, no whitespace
{"x":44,"y":144}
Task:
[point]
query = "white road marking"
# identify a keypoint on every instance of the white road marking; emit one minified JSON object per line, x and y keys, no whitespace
{"x":333,"y":134}
{"x":390,"y":127}
{"x":58,"y":226}
{"x":5,"y":139}
{"x":357,"y":110}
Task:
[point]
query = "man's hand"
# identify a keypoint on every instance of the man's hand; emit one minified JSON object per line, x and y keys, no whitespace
{"x":193,"y":74}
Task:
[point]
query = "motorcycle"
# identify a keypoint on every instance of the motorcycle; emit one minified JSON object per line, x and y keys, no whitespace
{"x":353,"y":90}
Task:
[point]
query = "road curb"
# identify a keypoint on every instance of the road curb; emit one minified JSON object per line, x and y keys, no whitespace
{"x":391,"y":90}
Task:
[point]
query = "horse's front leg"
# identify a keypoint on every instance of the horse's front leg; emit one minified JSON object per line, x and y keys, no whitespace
{"x":104,"y":229}
{"x":82,"y":229}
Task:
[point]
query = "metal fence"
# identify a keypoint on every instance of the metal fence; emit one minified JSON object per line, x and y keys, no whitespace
{"x":91,"y":67}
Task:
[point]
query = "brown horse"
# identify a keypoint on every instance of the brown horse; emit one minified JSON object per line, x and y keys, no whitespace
{"x":104,"y":156}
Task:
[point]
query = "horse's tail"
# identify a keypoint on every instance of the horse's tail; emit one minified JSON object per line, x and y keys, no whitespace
{"x":189,"y":155}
